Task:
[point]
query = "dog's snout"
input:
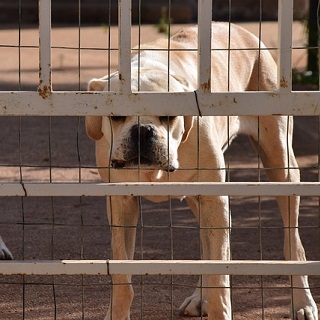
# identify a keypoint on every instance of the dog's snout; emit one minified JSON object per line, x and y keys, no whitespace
{"x":142,"y":134}
{"x":146,"y":146}
{"x":143,"y":144}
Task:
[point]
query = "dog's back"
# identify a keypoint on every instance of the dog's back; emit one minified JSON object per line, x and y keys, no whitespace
{"x":230,"y":44}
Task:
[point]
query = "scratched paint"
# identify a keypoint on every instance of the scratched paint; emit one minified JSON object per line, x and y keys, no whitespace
{"x":283,"y":82}
{"x":44,"y":91}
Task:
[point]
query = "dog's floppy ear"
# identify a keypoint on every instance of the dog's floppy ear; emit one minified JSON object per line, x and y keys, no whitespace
{"x":94,"y":123}
{"x":188,"y":124}
{"x":97,"y":84}
{"x":94,"y":127}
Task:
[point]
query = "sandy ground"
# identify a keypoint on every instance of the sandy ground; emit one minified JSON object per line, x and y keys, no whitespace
{"x":57,"y":149}
{"x":71,"y":65}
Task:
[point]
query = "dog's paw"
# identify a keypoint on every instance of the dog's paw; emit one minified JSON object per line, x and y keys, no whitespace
{"x":193,"y":306}
{"x":304,"y":306}
{"x":5,"y":253}
{"x":307,"y":313}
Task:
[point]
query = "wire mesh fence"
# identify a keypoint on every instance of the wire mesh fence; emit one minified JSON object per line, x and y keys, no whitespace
{"x":44,"y":141}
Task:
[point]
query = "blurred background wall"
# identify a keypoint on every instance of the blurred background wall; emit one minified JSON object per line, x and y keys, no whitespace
{"x":182,"y":11}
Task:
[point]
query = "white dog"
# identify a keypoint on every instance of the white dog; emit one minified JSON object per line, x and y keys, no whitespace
{"x":153,"y":148}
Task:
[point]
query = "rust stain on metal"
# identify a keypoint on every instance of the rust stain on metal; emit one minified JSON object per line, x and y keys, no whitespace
{"x":44,"y":92}
{"x":206,"y":87}
{"x":43,"y":89}
{"x":283,"y":82}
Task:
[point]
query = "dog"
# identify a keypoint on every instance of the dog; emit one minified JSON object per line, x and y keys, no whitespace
{"x":161,"y":148}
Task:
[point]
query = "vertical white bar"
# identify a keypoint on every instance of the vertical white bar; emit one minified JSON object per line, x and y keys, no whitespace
{"x":44,"y":47}
{"x":204,"y":45}
{"x":285,"y":17}
{"x":125,"y":45}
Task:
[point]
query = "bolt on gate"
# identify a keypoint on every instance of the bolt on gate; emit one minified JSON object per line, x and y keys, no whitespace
{"x":202,"y":102}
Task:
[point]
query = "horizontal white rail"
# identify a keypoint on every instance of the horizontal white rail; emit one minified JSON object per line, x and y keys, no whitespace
{"x":78,"y":103}
{"x":162,"y":188}
{"x":159,"y":267}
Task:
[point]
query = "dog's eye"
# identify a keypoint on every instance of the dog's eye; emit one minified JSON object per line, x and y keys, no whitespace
{"x":118,"y":118}
{"x":167,"y":118}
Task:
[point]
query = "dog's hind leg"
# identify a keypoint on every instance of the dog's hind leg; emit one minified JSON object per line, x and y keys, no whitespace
{"x":123,"y":217}
{"x":275,"y":136}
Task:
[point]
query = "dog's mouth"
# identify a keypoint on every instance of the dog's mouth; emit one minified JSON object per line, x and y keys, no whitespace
{"x":142,"y":161}
{"x":118,"y":164}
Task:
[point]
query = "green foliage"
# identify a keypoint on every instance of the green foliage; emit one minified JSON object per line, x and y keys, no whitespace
{"x":306,"y":79}
{"x":164,"y":22}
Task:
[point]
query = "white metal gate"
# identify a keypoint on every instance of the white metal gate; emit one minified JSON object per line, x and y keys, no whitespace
{"x":46,"y":102}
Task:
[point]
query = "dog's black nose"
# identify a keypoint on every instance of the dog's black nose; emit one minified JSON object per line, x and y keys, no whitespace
{"x":142,"y":134}
{"x":171,"y":168}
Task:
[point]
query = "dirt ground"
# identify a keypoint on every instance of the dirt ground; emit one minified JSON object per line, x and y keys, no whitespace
{"x":57,"y":149}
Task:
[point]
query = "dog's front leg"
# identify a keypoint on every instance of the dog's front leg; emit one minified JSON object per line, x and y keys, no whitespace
{"x":214,"y":221}
{"x":123,"y":217}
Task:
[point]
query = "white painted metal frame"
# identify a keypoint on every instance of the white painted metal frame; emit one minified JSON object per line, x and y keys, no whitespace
{"x":159,"y":267}
{"x":44,"y":47}
{"x":52,"y":103}
{"x":69,"y":189}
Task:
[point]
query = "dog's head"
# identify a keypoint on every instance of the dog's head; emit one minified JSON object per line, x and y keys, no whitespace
{"x":145,"y":141}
